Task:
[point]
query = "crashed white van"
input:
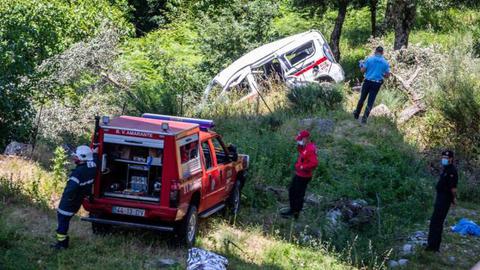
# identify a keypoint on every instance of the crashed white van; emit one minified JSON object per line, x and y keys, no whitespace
{"x":298,"y":59}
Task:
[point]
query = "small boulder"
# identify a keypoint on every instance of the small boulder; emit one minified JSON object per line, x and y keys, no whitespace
{"x":381,"y":110}
{"x":402,"y":262}
{"x":392,"y":263}
{"x":318,"y":125}
{"x":407,"y":249}
{"x":18,"y":149}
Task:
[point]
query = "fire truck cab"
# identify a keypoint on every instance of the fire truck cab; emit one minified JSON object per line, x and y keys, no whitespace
{"x":162,"y":173}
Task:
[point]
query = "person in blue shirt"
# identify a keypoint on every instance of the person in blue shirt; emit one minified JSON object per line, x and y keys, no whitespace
{"x":376,"y":68}
{"x":79,"y":186}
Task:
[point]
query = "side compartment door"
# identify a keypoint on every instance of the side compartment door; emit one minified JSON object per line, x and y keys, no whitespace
{"x":211,"y":176}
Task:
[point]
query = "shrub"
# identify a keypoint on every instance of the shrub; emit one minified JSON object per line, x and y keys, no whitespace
{"x":58,"y":168}
{"x":312,"y":97}
{"x":226,"y":34}
{"x":457,"y":100}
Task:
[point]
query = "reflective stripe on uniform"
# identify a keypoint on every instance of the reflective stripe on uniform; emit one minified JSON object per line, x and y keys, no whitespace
{"x":87,"y":182}
{"x":74,"y":179}
{"x":61,"y":237}
{"x":65,"y":213}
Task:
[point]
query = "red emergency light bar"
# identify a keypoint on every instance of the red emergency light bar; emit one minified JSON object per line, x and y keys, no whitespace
{"x":203,"y":123}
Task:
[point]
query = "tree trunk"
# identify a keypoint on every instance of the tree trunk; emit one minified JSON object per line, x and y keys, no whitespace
{"x":373,"y":16}
{"x":337,"y":29}
{"x":388,"y":19}
{"x":404,"y":11}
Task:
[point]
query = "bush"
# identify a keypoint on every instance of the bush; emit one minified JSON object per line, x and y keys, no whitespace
{"x":457,"y":100}
{"x":58,"y":168}
{"x":312,"y":97}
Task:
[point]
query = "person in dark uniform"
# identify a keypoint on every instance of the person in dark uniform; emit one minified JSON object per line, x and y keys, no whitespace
{"x":376,"y":68}
{"x":306,"y":163}
{"x":446,"y":196}
{"x":79,"y":185}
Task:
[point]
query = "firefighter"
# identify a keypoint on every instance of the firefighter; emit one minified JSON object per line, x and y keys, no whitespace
{"x":306,"y":163}
{"x":79,"y":185}
{"x":446,"y":196}
{"x":376,"y":68}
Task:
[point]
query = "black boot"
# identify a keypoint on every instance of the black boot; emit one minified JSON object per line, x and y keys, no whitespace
{"x":289,"y":213}
{"x":286,"y":213}
{"x":355,"y":114}
{"x":60,"y":245}
{"x":364,"y":120}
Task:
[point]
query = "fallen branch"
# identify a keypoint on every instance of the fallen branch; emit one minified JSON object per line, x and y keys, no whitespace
{"x":416,"y":98}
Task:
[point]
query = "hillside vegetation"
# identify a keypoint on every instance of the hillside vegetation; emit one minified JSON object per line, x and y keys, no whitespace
{"x":81,"y":59}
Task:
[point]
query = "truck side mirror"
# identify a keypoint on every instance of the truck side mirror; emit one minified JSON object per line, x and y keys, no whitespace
{"x":232,"y":152}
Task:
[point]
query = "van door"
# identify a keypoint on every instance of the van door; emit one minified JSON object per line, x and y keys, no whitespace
{"x":211,"y":178}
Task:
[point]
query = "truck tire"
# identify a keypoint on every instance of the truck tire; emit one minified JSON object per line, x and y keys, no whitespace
{"x":189,"y":227}
{"x":233,"y":203}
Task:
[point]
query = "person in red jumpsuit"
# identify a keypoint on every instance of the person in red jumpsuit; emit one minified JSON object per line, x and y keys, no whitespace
{"x":306,"y":163}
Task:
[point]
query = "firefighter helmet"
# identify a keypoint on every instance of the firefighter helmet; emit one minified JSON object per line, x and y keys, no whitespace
{"x":84,"y":153}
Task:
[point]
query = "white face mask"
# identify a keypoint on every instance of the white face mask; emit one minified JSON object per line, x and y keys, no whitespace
{"x":300,"y":143}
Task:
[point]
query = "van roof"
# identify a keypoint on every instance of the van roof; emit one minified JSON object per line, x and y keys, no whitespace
{"x":148,"y":125}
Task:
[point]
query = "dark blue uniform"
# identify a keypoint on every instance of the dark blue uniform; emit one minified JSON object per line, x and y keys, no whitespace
{"x":448,"y":180}
{"x":79,"y":186}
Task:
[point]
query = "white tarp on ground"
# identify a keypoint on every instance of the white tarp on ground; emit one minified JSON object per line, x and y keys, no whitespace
{"x":200,"y":259}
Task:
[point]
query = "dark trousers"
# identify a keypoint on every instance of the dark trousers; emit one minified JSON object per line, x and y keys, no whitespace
{"x":440,"y":211}
{"x":370,"y":89}
{"x":296,"y":192}
{"x":63,"y":223}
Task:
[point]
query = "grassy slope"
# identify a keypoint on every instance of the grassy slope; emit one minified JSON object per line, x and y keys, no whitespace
{"x":27,"y":224}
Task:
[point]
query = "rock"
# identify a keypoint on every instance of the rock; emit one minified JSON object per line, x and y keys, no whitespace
{"x":333,"y":217}
{"x":418,"y":238}
{"x":392,"y":264}
{"x":166,"y":262}
{"x":381,"y":110}
{"x":318,"y":125}
{"x":18,"y":149}
{"x":402,"y":262}
{"x":359,"y":202}
{"x":407,"y":249}
{"x":313,"y":199}
{"x":161,"y":263}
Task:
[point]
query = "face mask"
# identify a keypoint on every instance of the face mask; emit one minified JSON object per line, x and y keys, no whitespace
{"x":300,"y":143}
{"x":444,"y":161}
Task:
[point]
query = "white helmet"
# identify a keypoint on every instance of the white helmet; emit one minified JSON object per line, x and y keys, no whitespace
{"x":84,"y":153}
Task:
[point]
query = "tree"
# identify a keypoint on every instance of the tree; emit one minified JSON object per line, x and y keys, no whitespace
{"x":404,"y":12}
{"x":373,"y":16}
{"x":388,"y":19}
{"x":337,"y":29}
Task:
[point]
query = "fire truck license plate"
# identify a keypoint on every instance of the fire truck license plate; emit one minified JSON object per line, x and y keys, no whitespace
{"x":128,"y":211}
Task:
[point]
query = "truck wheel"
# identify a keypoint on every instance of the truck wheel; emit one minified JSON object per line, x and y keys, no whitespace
{"x":234,"y":199}
{"x":189,"y":227}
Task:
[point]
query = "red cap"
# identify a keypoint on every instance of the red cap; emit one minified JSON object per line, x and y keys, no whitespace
{"x":302,"y":134}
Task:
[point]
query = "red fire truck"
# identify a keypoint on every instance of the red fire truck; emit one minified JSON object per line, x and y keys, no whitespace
{"x":162,"y":173}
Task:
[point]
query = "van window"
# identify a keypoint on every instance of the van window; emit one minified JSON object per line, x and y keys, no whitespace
{"x":301,"y":53}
